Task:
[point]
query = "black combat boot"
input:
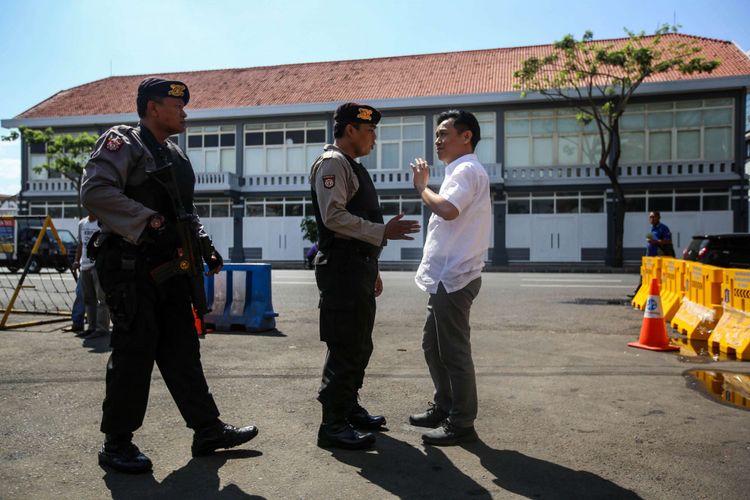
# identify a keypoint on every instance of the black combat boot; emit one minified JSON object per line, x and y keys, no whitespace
{"x":343,"y":435}
{"x":122,"y":455}
{"x":220,"y":435}
{"x":361,"y":418}
{"x":335,"y":432}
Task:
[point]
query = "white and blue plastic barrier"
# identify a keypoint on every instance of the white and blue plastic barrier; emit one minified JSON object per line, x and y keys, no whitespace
{"x":239,"y":297}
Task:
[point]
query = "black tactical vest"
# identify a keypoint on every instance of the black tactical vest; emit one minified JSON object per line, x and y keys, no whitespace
{"x":364,"y":204}
{"x":170,"y":160}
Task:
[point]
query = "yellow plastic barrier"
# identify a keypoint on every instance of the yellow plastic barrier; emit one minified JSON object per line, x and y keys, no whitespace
{"x":672,"y":286}
{"x":650,"y":269}
{"x":732,"y":332}
{"x":701,"y":307}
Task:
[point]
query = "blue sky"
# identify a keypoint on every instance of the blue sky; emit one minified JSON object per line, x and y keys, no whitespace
{"x":50,"y":45}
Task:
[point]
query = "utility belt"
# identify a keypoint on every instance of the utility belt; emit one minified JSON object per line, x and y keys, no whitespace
{"x":159,"y":267}
{"x":356,"y":247}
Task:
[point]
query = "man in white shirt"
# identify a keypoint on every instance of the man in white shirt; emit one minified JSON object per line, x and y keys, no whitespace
{"x":97,"y":312}
{"x":457,"y":240}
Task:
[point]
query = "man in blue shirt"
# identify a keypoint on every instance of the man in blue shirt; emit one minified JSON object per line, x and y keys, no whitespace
{"x":659,"y":239}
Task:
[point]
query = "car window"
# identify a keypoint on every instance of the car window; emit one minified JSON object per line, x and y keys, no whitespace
{"x":65,"y":235}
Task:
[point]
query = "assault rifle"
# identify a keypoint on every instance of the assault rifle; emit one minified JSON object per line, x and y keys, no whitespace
{"x":188,"y":262}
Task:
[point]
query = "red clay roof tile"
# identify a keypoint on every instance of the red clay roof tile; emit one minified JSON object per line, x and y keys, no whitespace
{"x":441,"y":74}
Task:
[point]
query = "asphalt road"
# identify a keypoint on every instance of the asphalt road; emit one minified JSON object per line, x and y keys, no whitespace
{"x":567,"y":410}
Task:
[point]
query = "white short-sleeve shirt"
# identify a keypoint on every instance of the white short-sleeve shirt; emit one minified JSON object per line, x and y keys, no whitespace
{"x":86,"y":229}
{"x":454,"y":250}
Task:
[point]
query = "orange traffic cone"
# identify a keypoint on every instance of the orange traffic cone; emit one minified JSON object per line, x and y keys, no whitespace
{"x":654,"y":330}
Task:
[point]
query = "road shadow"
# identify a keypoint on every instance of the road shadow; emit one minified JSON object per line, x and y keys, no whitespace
{"x":406,"y":472}
{"x":534,"y":478}
{"x":198,"y":479}
{"x":98,"y":345}
{"x":265,"y":333}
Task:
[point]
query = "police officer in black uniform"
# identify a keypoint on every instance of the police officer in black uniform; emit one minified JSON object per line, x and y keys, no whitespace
{"x":351,"y":235}
{"x":140,"y":185}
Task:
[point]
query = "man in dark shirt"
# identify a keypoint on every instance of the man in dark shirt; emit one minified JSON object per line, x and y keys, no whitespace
{"x":140,"y":185}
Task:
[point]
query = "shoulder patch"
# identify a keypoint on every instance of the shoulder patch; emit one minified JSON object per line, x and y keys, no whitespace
{"x":113,"y":143}
{"x":329,"y":181}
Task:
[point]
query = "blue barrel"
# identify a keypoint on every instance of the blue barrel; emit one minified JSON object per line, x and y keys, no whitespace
{"x":239,"y":298}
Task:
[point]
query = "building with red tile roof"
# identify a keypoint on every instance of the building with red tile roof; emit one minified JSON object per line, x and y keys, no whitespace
{"x":254,"y":131}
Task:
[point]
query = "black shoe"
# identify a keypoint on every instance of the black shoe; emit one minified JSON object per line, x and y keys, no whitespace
{"x":124,"y":457}
{"x":84,"y":333}
{"x":343,"y":435}
{"x":433,"y":417}
{"x":76,"y":328}
{"x":94,"y":334}
{"x":206,"y":441}
{"x":361,"y":419}
{"x":449,"y":434}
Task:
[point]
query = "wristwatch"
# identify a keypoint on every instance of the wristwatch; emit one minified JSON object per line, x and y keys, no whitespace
{"x":156,"y":222}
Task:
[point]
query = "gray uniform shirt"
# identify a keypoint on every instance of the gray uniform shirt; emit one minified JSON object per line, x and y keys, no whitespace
{"x":335,"y":184}
{"x":120,"y":159}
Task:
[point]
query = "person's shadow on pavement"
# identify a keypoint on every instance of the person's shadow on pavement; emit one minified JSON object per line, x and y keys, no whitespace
{"x":534,"y":478}
{"x":198,"y":479}
{"x":405,"y":472}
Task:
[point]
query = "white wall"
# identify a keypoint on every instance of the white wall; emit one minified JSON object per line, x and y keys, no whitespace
{"x":221,"y":232}
{"x":682,"y":224}
{"x":591,"y":229}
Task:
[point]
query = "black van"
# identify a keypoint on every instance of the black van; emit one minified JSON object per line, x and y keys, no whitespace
{"x":722,"y":250}
{"x":48,"y":255}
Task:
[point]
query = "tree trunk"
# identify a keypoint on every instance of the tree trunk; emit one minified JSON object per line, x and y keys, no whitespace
{"x":619,"y":199}
{"x":619,"y":223}
{"x":78,"y":196}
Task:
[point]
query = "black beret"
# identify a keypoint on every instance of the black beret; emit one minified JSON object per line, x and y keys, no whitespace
{"x":353,"y":112}
{"x":159,"y":87}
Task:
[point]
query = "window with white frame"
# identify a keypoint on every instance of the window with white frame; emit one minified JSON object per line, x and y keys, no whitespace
{"x":678,"y":200}
{"x":549,"y":137}
{"x":486,"y":148}
{"x":289,"y":147}
{"x":395,"y":204}
{"x":212,"y":148}
{"x":295,"y":206}
{"x":681,"y":130}
{"x":213,"y":207}
{"x":661,"y":131}
{"x":561,"y":202}
{"x":281,"y":206}
{"x":400,"y":140}
{"x":55,"y":209}
{"x":38,"y":157}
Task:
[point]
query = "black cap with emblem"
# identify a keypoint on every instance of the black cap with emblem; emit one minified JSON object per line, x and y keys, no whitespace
{"x":157,"y":88}
{"x":353,"y":112}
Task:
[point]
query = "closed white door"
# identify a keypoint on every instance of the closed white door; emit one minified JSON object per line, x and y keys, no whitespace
{"x":554,"y":238}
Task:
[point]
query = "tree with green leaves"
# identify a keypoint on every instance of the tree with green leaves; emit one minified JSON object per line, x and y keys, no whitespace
{"x":598,"y":80}
{"x":67,"y":154}
{"x":309,"y":229}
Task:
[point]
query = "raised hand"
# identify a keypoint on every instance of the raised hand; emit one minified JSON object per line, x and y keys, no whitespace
{"x":420,"y":173}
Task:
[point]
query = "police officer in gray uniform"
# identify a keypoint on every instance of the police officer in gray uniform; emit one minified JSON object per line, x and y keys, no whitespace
{"x":351,"y":235}
{"x":140,"y":185}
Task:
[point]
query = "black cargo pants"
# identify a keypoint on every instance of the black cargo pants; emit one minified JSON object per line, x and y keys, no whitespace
{"x":152,"y":323}
{"x":346,"y":280}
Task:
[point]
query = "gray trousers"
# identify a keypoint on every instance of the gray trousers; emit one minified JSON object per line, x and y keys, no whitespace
{"x":97,"y":312}
{"x":446,"y":343}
